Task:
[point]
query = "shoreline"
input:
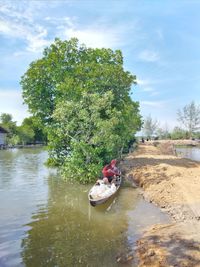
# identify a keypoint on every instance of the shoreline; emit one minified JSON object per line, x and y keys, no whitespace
{"x":6,"y":147}
{"x":178,"y":142}
{"x":173,"y":184}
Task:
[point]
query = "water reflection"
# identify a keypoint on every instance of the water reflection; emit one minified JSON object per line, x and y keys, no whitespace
{"x":189,"y":152}
{"x":22,"y":188}
{"x":72,"y":233}
{"x":48,"y":222}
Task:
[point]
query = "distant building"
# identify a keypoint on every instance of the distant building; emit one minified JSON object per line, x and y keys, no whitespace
{"x":3,"y":133}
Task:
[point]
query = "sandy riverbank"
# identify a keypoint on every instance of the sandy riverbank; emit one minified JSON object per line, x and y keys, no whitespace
{"x":173,"y":184}
{"x":179,"y":142}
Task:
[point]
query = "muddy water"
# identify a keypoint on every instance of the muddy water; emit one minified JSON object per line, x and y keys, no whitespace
{"x":189,"y":152}
{"x":45,"y":221}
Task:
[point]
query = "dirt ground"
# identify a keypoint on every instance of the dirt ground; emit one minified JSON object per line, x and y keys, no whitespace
{"x":172,"y":183}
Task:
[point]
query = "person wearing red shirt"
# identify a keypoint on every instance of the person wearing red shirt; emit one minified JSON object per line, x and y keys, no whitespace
{"x":110,"y":171}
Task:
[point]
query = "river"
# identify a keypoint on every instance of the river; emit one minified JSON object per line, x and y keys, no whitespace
{"x":188,"y":152}
{"x":46,"y":221}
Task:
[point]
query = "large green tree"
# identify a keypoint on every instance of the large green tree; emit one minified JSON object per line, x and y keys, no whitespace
{"x":81,"y":95}
{"x":66,"y":70}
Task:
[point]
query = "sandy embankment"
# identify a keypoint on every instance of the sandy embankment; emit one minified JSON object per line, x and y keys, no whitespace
{"x":173,"y":184}
{"x":181,"y":142}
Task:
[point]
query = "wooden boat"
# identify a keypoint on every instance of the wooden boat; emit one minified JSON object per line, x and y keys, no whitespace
{"x":101,"y":192}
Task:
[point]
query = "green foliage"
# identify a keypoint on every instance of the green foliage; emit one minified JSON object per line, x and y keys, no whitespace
{"x":87,"y":134}
{"x":150,"y":127}
{"x":66,"y":70}
{"x":88,"y":129}
{"x":14,"y":140}
{"x":26,"y":134}
{"x":5,"y":118}
{"x":197,"y":135}
{"x":189,"y":116}
{"x":179,"y":133}
{"x":81,"y":95}
{"x":33,"y":130}
{"x":163,"y":133}
{"x":8,"y":124}
{"x":29,"y":132}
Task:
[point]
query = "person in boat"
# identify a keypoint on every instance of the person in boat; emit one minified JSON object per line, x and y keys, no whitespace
{"x":110,"y":172}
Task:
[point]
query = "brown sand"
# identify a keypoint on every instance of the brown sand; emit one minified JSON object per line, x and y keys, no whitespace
{"x":173,"y":184}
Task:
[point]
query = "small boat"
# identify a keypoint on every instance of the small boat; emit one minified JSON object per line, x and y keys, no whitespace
{"x":101,"y":192}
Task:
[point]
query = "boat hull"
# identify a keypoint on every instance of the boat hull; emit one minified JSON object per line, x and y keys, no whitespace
{"x":98,"y":202}
{"x":95,"y":202}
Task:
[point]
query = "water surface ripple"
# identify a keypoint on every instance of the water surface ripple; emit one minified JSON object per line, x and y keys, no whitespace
{"x":46,"y":221}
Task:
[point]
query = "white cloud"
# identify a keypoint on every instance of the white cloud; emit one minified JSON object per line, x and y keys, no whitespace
{"x":142,"y":82}
{"x":94,"y":37}
{"x":11,"y":102}
{"x":61,"y":22}
{"x":150,"y":81}
{"x":7,"y":28}
{"x":38,"y":41}
{"x":153,"y":104}
{"x":148,"y":89}
{"x":149,"y":56}
{"x":19,"y":23}
{"x":146,"y":86}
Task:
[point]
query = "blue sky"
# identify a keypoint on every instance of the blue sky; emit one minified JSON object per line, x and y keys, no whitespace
{"x":160,"y":42}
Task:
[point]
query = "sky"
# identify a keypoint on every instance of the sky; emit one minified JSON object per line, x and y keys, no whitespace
{"x":160,"y":42}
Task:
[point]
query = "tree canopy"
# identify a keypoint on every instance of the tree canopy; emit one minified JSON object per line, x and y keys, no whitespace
{"x":81,"y":96}
{"x":150,"y":127}
{"x":29,"y":132}
{"x":6,"y":121}
{"x":189,"y":116}
{"x":179,"y":133}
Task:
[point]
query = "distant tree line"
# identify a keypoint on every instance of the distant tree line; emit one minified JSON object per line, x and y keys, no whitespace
{"x":188,"y":118}
{"x":29,"y":132}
